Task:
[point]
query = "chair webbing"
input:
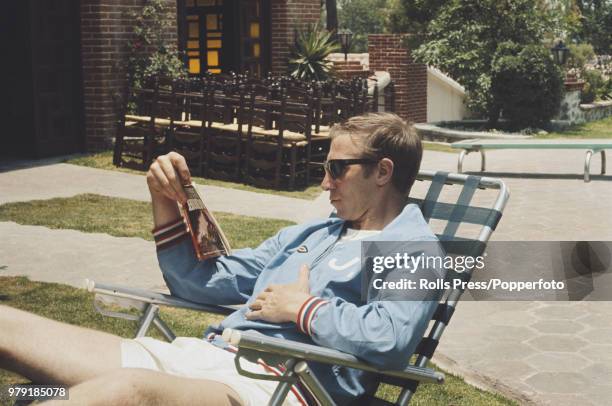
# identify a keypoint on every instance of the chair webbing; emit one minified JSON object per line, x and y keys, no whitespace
{"x":443,"y":313}
{"x":467,"y":192}
{"x":462,"y":246}
{"x":437,"y":183}
{"x":427,"y":347}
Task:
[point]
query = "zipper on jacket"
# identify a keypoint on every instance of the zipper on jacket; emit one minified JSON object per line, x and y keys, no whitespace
{"x":326,"y":252}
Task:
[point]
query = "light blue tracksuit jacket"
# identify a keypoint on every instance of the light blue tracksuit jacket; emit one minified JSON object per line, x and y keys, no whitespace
{"x":383,"y":333}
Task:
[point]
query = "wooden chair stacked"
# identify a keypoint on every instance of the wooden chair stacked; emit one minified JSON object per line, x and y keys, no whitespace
{"x":188,"y":137}
{"x":148,"y":117}
{"x":225,"y":128}
{"x":278,"y":135}
{"x":335,"y":101}
{"x":271,"y":132}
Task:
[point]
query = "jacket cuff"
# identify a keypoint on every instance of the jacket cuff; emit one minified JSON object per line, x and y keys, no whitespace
{"x":169,"y":234}
{"x":307,"y":313}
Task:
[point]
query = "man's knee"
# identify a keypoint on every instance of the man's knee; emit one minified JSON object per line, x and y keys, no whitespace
{"x":144,"y":387}
{"x":129,"y":387}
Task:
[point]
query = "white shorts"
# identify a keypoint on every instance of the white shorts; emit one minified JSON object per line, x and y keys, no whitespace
{"x":196,"y":358}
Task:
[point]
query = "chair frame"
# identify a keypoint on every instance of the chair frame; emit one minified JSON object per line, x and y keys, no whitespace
{"x":299,"y":354}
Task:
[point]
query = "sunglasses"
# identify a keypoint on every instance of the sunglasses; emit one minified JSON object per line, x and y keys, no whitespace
{"x":336,"y":167}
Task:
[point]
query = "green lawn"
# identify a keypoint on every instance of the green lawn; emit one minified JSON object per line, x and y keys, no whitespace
{"x":593,"y":129}
{"x":125,"y":218}
{"x":104,"y":160}
{"x":438,"y":147}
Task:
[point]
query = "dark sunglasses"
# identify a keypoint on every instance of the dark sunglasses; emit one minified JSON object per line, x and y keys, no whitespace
{"x":336,"y":167}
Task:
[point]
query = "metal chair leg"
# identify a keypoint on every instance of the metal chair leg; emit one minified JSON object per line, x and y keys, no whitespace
{"x":164,"y":329}
{"x":462,"y":155}
{"x":311,"y":381}
{"x":587,"y":165}
{"x":146,"y":320}
{"x":282,"y":389}
{"x":482,"y":160}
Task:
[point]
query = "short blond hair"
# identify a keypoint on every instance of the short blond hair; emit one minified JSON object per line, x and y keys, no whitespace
{"x":386,"y":135}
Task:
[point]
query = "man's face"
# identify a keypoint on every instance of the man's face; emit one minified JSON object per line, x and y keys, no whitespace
{"x":352,"y":192}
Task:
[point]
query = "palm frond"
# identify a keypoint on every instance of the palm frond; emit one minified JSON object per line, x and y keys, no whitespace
{"x":311,"y":47}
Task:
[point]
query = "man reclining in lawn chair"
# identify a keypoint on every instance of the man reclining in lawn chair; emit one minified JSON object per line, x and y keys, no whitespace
{"x":303,"y":284}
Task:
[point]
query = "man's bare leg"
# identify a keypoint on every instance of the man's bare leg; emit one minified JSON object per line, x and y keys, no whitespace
{"x":47,"y":351}
{"x":144,"y":387}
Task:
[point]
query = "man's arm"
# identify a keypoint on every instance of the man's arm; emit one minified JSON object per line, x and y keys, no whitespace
{"x":224,"y":280}
{"x":382,"y":332}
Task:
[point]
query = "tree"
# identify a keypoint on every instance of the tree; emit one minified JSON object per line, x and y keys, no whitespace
{"x":150,"y":53}
{"x":463,"y":39}
{"x":362,"y":17}
{"x":526,"y":83}
{"x":331,"y":12}
{"x":596,"y":27}
{"x":413,"y":17}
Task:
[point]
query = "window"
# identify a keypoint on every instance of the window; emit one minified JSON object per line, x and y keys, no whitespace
{"x":203,"y":42}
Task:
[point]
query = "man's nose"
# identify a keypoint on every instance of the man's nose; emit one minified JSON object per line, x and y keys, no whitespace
{"x":327,"y":182}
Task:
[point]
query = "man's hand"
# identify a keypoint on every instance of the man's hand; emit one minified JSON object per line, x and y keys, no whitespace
{"x":167,"y":175}
{"x":280,"y":303}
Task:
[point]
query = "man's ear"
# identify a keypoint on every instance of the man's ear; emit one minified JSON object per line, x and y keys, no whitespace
{"x":385,"y":171}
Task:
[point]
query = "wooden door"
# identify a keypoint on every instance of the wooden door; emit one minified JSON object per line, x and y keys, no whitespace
{"x":56,"y":77}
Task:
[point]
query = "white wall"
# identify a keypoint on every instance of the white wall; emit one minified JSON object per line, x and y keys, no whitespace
{"x":444,"y":97}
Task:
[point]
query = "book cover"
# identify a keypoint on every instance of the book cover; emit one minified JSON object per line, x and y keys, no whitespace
{"x":208,"y":239}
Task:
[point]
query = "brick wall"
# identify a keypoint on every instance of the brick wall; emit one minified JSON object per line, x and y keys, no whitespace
{"x":388,"y":54}
{"x":349,"y":69}
{"x":288,"y":15}
{"x":105,"y":31}
{"x":106,"y":28}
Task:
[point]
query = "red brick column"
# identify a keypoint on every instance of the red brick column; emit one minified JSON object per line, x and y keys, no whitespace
{"x":388,"y":54}
{"x":288,"y":15}
{"x":106,"y":28}
{"x":349,"y":70}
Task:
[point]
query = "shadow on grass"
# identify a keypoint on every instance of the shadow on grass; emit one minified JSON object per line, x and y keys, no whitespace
{"x":9,"y":163}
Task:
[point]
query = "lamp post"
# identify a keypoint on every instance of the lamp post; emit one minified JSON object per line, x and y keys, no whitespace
{"x":560,"y":53}
{"x":345,"y":35}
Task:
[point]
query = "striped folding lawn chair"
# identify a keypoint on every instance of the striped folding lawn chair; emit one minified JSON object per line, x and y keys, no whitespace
{"x":462,"y":210}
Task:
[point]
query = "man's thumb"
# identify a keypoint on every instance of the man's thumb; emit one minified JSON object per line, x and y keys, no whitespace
{"x":304,"y":275}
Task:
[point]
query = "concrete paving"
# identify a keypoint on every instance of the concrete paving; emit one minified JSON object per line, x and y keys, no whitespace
{"x":536,"y":352}
{"x":65,"y":180}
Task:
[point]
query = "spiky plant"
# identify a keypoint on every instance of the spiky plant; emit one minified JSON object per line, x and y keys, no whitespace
{"x":307,"y":59}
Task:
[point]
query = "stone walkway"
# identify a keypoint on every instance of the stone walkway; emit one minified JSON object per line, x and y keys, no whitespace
{"x":536,"y":352}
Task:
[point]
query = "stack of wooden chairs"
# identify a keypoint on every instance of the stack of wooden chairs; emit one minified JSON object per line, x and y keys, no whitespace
{"x":148,"y":116}
{"x":271,"y":132}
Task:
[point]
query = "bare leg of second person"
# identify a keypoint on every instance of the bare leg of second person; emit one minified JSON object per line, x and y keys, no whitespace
{"x":47,"y":351}
{"x":136,"y":387}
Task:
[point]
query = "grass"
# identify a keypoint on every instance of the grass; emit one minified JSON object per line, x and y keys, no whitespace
{"x":438,"y":147}
{"x":104,"y":160}
{"x":593,"y":129}
{"x":74,"y":306}
{"x":125,"y":218}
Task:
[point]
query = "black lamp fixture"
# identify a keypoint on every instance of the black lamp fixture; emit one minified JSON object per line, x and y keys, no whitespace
{"x":345,"y":35}
{"x":560,"y":53}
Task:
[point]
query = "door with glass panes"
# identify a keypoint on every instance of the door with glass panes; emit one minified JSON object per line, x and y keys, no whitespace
{"x":203,"y":42}
{"x":225,"y":35}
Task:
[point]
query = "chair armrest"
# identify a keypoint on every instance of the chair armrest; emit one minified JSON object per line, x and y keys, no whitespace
{"x":278,"y":346}
{"x":147,"y":296}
